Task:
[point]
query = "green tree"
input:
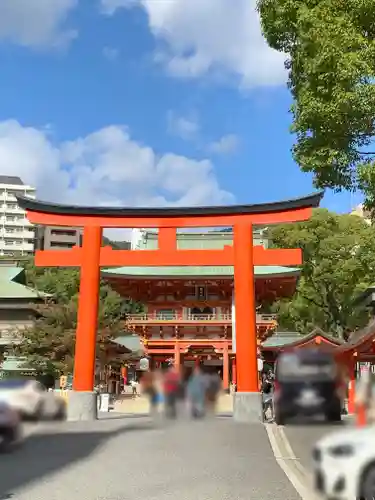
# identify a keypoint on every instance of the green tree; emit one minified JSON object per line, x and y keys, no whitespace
{"x":331,"y":62}
{"x":49,"y":344}
{"x":338,"y":263}
{"x":60,"y":282}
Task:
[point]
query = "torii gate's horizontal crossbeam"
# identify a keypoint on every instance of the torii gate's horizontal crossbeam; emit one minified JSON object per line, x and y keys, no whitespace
{"x":40,"y":212}
{"x":140,"y":258}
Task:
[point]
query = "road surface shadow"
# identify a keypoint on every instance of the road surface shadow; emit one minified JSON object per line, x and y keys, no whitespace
{"x":309,"y":422}
{"x":46,"y":452}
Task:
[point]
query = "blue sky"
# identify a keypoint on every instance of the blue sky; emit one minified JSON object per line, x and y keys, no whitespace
{"x":146,"y":102}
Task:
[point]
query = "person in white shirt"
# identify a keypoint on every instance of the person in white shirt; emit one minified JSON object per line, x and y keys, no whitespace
{"x":134,"y":386}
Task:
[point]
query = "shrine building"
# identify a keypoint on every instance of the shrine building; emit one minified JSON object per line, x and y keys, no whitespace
{"x":189,"y":316}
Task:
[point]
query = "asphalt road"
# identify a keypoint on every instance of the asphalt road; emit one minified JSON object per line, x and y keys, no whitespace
{"x":133,"y":459}
{"x":302,"y":437}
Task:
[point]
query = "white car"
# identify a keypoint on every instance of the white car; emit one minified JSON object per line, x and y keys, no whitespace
{"x":10,"y":427}
{"x":344,"y":464}
{"x":31,"y":400}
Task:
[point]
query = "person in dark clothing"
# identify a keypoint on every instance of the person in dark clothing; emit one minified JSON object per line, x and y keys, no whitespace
{"x":267,"y":394}
{"x":196,"y":392}
{"x":149,"y":389}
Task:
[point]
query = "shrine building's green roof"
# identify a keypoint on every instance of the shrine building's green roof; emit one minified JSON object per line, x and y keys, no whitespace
{"x":197,"y":271}
{"x":12,"y":285}
{"x":206,"y":240}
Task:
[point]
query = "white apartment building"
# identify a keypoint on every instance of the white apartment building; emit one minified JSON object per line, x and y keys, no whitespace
{"x":17,"y":234}
{"x":361,"y":212}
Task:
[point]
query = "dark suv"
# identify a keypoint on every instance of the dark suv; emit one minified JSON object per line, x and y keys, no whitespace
{"x":307,"y":383}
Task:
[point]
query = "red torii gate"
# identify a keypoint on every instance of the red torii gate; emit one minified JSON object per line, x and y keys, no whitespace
{"x":243,"y":255}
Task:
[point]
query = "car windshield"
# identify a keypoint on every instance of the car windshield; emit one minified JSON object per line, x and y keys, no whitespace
{"x":294,"y":367}
{"x":12,"y":384}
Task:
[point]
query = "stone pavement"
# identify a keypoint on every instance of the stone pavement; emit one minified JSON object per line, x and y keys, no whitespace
{"x":132,"y":459}
{"x":140,"y":405}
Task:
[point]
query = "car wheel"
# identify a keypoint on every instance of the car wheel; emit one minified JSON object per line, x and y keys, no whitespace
{"x":8,"y":438}
{"x":334,"y":416}
{"x":38,"y":414}
{"x":367,"y":486}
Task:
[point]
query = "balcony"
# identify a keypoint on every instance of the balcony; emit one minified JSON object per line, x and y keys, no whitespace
{"x":12,"y":209}
{"x":158,"y":318}
{"x":15,"y":221}
{"x":18,"y":234}
{"x":9,"y":246}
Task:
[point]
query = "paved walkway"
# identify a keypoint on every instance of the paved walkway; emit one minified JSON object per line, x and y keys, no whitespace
{"x":302,"y":437}
{"x":140,"y":405}
{"x":133,"y":459}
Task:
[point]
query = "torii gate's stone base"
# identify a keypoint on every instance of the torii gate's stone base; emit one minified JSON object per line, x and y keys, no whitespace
{"x":82,"y":406}
{"x":247,"y":407}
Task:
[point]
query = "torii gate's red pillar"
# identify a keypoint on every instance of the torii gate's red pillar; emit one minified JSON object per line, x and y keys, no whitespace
{"x":82,"y":405}
{"x":247,"y":400}
{"x":87,"y":318}
{"x":244,"y":293}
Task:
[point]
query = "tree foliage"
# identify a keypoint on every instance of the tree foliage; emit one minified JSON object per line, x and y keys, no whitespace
{"x":331,"y":61}
{"x":338,"y":263}
{"x":49,"y":344}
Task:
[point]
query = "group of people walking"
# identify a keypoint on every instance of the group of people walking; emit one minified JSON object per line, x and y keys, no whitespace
{"x":168,"y":388}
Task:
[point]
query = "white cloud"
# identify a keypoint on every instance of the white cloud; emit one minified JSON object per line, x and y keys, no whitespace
{"x":106,"y":167}
{"x":36,"y":23}
{"x":109,"y":7}
{"x":203,"y":36}
{"x":110,"y":53}
{"x":186,"y":127}
{"x":225,"y":145}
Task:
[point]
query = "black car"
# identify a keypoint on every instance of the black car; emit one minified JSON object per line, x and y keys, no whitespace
{"x":307,"y":383}
{"x":10,"y":427}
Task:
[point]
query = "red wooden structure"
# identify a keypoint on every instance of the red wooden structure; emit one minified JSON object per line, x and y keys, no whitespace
{"x":242,"y":255}
{"x":188,"y":315}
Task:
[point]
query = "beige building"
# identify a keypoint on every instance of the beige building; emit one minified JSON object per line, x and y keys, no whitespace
{"x":57,"y":237}
{"x":361,"y":212}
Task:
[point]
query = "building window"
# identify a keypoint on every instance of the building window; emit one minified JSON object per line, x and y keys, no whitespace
{"x":61,"y":244}
{"x":166,"y":314}
{"x":63,"y":232}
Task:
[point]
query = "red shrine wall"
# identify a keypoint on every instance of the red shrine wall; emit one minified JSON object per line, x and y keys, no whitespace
{"x":185,"y":300}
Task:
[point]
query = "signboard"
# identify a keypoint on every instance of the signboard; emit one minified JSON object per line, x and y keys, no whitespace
{"x":63,"y":381}
{"x":260,"y":364}
{"x":234,"y":346}
{"x":104,"y":402}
